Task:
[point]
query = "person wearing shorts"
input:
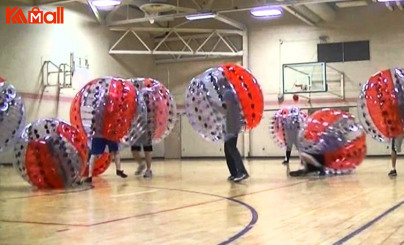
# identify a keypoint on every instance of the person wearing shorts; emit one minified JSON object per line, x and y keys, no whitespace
{"x":395,"y":148}
{"x":98,"y":146}
{"x":290,"y":140}
{"x":144,"y":142}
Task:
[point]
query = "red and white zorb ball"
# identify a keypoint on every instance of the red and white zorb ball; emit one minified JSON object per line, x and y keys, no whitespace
{"x":205,"y":105}
{"x":381,"y":105}
{"x":156,"y":109}
{"x":286,"y":124}
{"x":12,"y":115}
{"x":335,"y":135}
{"x":51,"y":154}
{"x":105,"y":107}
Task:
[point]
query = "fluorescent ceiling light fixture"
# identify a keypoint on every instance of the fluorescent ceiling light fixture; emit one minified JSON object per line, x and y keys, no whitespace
{"x":201,"y":16}
{"x":106,"y":3}
{"x":266,"y":11}
{"x":351,"y":4}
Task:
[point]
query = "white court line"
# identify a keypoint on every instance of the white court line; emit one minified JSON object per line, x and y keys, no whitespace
{"x":134,"y":193}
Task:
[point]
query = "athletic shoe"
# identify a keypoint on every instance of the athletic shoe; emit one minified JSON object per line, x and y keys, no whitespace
{"x":298,"y":173}
{"x":240,"y":177}
{"x":393,"y":173}
{"x":230,"y":178}
{"x":88,"y":180}
{"x":285,"y":162}
{"x":148,"y":174}
{"x":121,"y":173}
{"x":140,"y":169}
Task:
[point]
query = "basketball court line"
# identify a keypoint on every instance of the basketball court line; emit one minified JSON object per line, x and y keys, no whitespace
{"x":368,"y":224}
{"x":85,"y":188}
{"x":157,"y":212}
{"x":135,"y":193}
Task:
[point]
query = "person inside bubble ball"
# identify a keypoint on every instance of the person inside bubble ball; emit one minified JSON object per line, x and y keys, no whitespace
{"x":144,"y":141}
{"x":395,"y":147}
{"x":312,"y":163}
{"x":98,"y":145}
{"x":233,"y":127}
{"x":292,"y":127}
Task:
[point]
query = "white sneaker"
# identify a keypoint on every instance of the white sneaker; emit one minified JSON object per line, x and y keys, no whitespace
{"x":140,"y":169}
{"x":148,"y":174}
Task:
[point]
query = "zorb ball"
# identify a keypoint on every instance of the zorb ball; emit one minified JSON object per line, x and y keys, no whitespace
{"x":105,"y":108}
{"x":286,"y":124}
{"x":381,"y":105}
{"x":157,"y":111}
{"x":51,"y":154}
{"x":335,"y":135}
{"x":12,"y":115}
{"x":205,"y":107}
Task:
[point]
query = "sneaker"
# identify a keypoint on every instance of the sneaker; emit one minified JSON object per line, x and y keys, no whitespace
{"x":140,"y":169}
{"x":230,"y":178}
{"x":393,"y":173}
{"x":297,"y":173}
{"x":121,"y":173}
{"x":148,"y":174}
{"x":88,"y":180}
{"x":285,"y":162}
{"x":240,"y":177}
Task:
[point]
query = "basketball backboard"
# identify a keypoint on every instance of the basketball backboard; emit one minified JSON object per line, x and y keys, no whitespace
{"x":308,"y":77}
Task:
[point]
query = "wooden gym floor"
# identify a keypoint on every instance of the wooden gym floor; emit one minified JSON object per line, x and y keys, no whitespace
{"x":191,"y":202}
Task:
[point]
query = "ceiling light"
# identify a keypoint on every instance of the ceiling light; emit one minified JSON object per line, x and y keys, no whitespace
{"x":266,"y":11}
{"x":201,"y":16}
{"x":106,"y":3}
{"x":351,"y":4}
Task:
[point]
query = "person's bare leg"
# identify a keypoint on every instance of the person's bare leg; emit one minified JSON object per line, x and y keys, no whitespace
{"x":148,"y":156}
{"x":91,"y":163}
{"x":393,"y":159}
{"x":136,"y":156}
{"x":138,"y":159}
{"x":117,"y":160}
{"x":393,"y":172}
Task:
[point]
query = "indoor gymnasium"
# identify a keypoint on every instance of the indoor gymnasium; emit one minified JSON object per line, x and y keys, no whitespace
{"x":201,"y":122}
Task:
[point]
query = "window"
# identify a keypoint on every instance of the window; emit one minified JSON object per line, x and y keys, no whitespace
{"x":343,"y":52}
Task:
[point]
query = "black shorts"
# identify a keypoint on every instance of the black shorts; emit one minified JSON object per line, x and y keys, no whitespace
{"x":146,"y":148}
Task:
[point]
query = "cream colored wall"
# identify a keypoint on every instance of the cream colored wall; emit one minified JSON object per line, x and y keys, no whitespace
{"x":375,"y":23}
{"x":24,"y":48}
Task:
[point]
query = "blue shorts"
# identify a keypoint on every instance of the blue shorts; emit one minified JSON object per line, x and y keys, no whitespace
{"x":98,"y":146}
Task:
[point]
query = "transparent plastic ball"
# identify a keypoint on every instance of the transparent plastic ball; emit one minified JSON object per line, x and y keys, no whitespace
{"x":12,"y":115}
{"x":157,"y":110}
{"x":335,"y":135}
{"x":286,"y":124}
{"x":206,"y":108}
{"x":51,"y":154}
{"x":381,"y":105}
